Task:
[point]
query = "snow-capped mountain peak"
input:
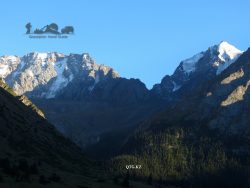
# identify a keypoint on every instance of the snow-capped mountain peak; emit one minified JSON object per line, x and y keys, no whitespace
{"x":224,"y":53}
{"x":227,"y":50}
{"x":202,"y":66}
{"x":227,"y":54}
{"x":47,"y":74}
{"x":221,"y":56}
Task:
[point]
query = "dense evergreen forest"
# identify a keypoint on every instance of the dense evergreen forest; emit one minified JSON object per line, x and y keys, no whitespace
{"x":183,"y":157}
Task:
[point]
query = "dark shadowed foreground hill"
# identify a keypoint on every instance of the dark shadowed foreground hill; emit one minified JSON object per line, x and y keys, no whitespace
{"x":31,"y":149}
{"x":34,"y":154}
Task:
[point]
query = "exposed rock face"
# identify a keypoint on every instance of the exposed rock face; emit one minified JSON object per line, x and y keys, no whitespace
{"x":233,"y":76}
{"x":230,"y":98}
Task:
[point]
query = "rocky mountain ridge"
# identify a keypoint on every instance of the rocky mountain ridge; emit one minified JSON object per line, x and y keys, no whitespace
{"x":44,"y":75}
{"x":198,"y":69}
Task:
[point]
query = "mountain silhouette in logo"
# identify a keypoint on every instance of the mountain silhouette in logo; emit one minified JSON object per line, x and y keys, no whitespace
{"x":67,"y":30}
{"x":50,"y":29}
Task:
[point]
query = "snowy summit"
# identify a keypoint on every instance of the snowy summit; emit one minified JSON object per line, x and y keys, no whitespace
{"x":228,"y":54}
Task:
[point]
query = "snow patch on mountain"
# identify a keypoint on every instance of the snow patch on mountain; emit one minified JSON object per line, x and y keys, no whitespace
{"x":3,"y":69}
{"x":97,"y":79}
{"x":188,"y":65}
{"x":18,"y":70}
{"x":8,"y":64}
{"x":42,"y":56}
{"x":60,"y":80}
{"x":176,"y":87}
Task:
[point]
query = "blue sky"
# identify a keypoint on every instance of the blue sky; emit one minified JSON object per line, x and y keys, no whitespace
{"x":143,"y":39}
